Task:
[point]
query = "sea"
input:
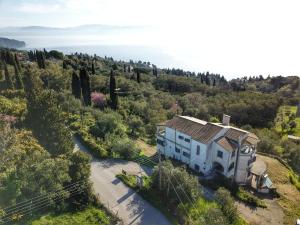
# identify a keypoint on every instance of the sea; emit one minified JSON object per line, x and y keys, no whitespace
{"x":90,"y":45}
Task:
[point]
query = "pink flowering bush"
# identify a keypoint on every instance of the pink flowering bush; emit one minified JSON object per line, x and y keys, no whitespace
{"x":98,"y":99}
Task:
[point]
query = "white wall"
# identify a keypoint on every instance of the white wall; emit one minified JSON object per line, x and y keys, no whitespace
{"x":198,"y":159}
{"x":243,"y":167}
{"x":225,"y":161}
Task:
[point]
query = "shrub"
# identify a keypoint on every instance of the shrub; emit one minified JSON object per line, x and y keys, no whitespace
{"x":98,"y":99}
{"x":96,"y":149}
{"x":125,"y":148}
{"x":249,"y":198}
{"x":294,"y":179}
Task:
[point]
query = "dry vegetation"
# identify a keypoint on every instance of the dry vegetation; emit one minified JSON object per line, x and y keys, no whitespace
{"x":289,"y":195}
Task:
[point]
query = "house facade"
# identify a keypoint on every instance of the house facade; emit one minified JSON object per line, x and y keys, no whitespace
{"x":206,"y":147}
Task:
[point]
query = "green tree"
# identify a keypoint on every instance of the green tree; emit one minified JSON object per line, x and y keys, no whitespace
{"x":23,"y":161}
{"x":138,"y":76}
{"x":76,"y":88}
{"x":44,"y":118}
{"x":80,"y":171}
{"x":135,"y":125}
{"x":93,"y":68}
{"x":125,"y":148}
{"x":17,"y":62}
{"x":108,"y":124}
{"x":113,"y":91}
{"x":85,"y":86}
{"x":9,"y":83}
{"x":19,"y":82}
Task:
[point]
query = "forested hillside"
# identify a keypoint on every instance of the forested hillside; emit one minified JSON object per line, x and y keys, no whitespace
{"x":108,"y":104}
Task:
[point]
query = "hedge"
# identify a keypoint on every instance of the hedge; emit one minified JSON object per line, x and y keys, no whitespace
{"x":95,"y":149}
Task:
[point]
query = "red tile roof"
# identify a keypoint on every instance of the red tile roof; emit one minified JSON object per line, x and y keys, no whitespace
{"x":198,"y":131}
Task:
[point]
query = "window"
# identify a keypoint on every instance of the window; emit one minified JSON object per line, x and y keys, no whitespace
{"x":177,"y":149}
{"x":220,"y":154}
{"x":160,"y":142}
{"x":186,"y":154}
{"x":187,"y":140}
{"x":233,"y":154}
{"x":180,"y":137}
{"x":197,"y":167}
{"x":231,"y":167}
{"x":198,"y":150}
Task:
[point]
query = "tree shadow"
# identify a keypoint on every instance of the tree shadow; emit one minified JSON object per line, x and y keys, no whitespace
{"x":116,"y":181}
{"x":124,"y":197}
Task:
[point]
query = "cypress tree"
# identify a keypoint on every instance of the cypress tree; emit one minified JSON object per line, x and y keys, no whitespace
{"x":138,"y":76}
{"x":207,"y":79}
{"x":65,"y":66}
{"x":76,"y":89}
{"x":85,"y":86}
{"x":214,"y":83}
{"x":17,"y":62}
{"x":93,"y":69}
{"x":40,"y":59}
{"x":9,"y":83}
{"x":19,"y":82}
{"x":112,"y":91}
{"x":155,"y":72}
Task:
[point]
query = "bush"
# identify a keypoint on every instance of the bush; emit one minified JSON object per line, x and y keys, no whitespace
{"x":125,"y":148}
{"x":294,"y":179}
{"x":96,"y":149}
{"x":249,"y":198}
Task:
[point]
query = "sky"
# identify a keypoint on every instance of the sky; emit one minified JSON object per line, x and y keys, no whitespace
{"x":231,"y":37}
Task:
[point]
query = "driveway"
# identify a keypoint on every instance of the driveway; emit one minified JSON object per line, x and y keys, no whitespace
{"x":125,"y":202}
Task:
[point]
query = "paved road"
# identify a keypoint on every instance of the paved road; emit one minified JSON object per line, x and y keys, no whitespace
{"x":129,"y":206}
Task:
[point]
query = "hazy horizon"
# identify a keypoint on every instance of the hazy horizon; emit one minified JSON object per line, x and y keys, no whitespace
{"x":232,"y":38}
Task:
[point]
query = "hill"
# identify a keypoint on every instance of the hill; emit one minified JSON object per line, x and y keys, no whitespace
{"x":11,"y":43}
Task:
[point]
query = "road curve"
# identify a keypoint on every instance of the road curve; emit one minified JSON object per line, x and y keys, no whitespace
{"x":128,"y":205}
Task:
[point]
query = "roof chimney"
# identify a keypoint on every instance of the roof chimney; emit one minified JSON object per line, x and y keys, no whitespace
{"x":226,"y":120}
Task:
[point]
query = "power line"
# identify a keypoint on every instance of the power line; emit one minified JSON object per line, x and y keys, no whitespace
{"x":190,"y":200}
{"x":22,"y":208}
{"x":56,"y":195}
{"x":180,"y":200}
{"x":45,"y":198}
{"x":36,"y":198}
{"x":39,"y":206}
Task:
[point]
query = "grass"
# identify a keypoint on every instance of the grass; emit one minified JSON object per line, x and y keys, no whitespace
{"x":148,"y":150}
{"x":88,"y":216}
{"x":282,"y":116}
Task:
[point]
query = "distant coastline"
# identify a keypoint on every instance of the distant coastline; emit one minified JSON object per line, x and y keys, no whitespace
{"x":11,"y":43}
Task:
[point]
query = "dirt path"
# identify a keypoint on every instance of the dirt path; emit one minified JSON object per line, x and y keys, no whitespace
{"x":273,"y":214}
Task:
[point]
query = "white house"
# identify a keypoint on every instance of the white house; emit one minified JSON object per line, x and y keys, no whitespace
{"x":207,"y":147}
